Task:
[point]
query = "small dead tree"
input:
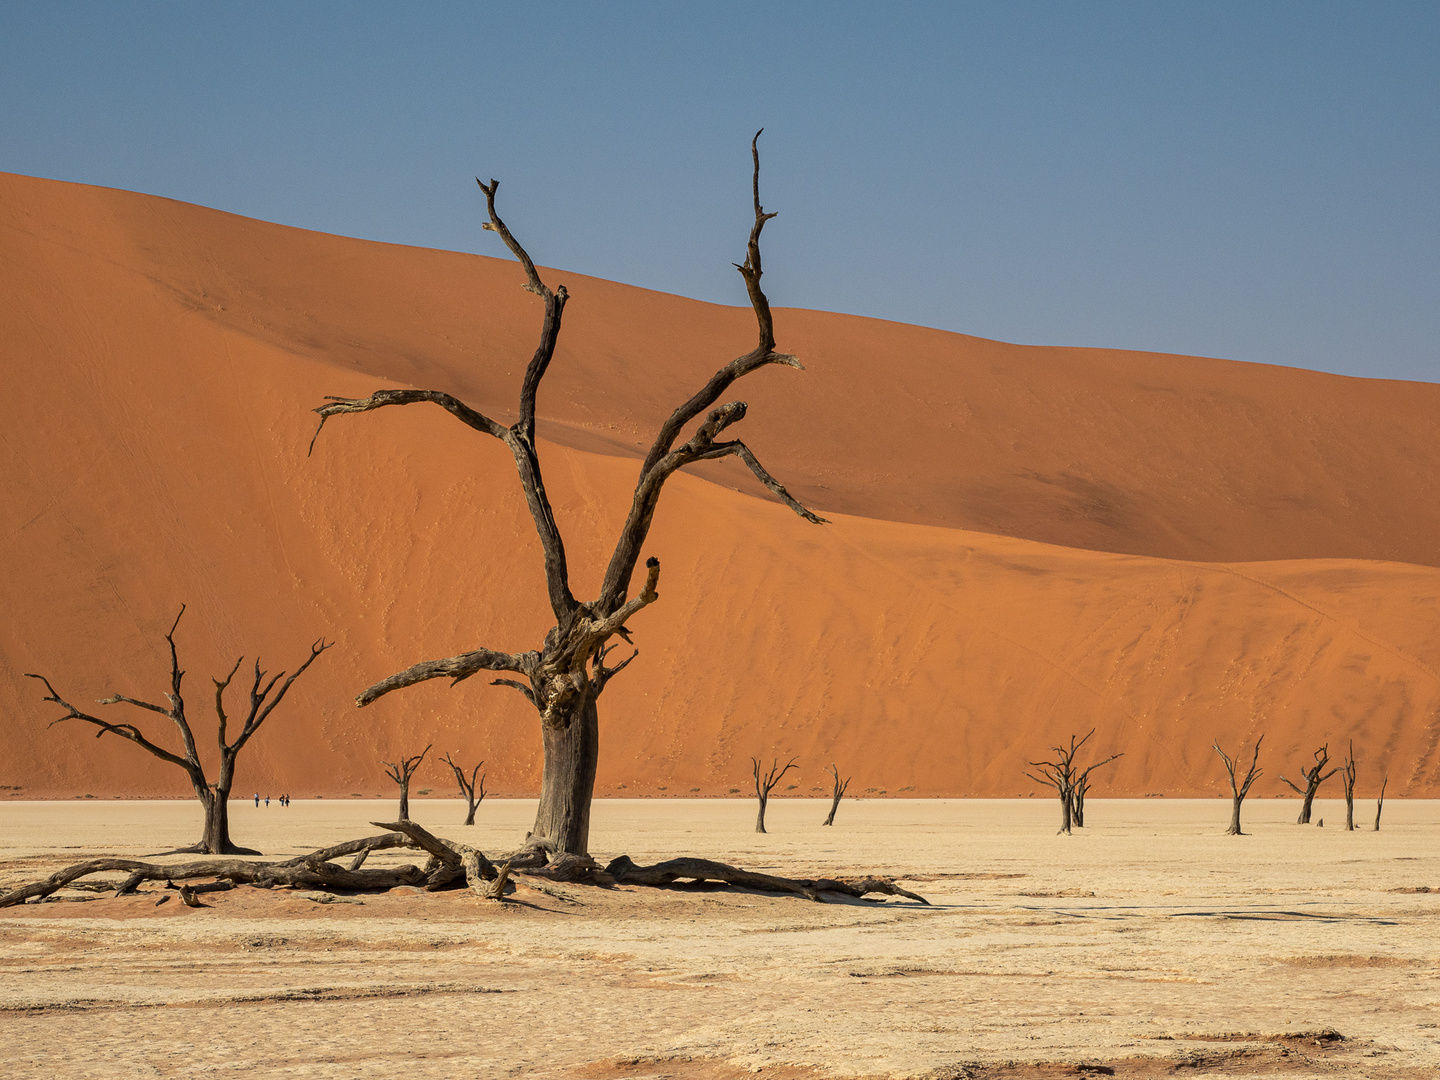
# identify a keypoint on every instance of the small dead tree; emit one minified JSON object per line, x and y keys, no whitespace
{"x":835,"y":796}
{"x":401,"y":772}
{"x":474,"y":792}
{"x":1079,"y":789}
{"x":1380,"y":802}
{"x":564,"y":678}
{"x":1313,"y":780}
{"x":1062,"y":775}
{"x":765,"y":783}
{"x":1347,"y":777}
{"x":215,"y":839}
{"x":1239,"y":789}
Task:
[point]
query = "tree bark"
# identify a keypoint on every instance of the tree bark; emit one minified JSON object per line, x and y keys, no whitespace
{"x":1234,"y":829}
{"x":567,"y":786}
{"x":664,"y":874}
{"x":836,"y":794}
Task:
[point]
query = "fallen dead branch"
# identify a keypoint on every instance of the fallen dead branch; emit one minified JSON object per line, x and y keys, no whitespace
{"x":536,"y":864}
{"x":666,"y":873}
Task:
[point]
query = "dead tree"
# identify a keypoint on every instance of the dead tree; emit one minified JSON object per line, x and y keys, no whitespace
{"x":401,"y":772}
{"x":1380,"y":802}
{"x":564,"y":678}
{"x":835,"y":796}
{"x":765,"y":783}
{"x":264,"y":697}
{"x":1079,"y":789}
{"x":1238,"y":790}
{"x":1313,"y":780}
{"x":474,"y":792}
{"x":1347,"y":777}
{"x":1062,"y":775}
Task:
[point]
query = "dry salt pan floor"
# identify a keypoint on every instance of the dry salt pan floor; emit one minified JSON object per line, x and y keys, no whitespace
{"x":1145,"y":945}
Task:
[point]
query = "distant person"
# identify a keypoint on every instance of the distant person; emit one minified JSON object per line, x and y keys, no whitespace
{"x":267,"y":802}
{"x":257,"y":799}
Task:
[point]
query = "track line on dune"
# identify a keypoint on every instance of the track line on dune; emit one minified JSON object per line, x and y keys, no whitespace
{"x":1391,"y":649}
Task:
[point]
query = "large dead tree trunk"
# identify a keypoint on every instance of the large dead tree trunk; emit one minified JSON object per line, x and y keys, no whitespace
{"x":401,"y":771}
{"x":1313,"y":780}
{"x":473,"y":791}
{"x":1239,"y":788}
{"x":765,"y":783}
{"x":836,"y":794}
{"x":564,"y":678}
{"x":214,"y":799}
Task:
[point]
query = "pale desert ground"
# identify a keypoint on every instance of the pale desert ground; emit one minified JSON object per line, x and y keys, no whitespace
{"x":1148,"y":944}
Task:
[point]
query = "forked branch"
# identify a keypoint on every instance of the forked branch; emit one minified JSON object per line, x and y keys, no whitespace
{"x":765,"y":783}
{"x":455,"y":668}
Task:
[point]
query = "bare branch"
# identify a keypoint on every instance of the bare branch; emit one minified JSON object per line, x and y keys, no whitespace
{"x":380,"y":398}
{"x":220,"y":687}
{"x":740,"y":450}
{"x":125,"y":731}
{"x":517,"y":685}
{"x":658,"y":465}
{"x":260,"y":708}
{"x":455,"y":668}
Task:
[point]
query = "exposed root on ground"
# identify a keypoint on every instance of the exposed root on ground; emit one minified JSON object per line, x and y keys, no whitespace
{"x":451,"y":863}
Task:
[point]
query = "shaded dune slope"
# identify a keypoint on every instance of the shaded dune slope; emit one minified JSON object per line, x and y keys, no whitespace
{"x":1027,"y":541}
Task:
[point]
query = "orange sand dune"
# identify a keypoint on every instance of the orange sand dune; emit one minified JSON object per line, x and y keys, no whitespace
{"x":965,"y":609}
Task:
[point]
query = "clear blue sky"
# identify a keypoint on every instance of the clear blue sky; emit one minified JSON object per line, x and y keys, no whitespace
{"x":1254,"y":180}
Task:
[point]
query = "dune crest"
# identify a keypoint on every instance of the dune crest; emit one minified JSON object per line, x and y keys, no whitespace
{"x":1027,"y":541}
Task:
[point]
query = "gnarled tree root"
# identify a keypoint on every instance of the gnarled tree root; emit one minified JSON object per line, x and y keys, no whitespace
{"x":312,"y":871}
{"x":623,"y":870}
{"x":450,"y":862}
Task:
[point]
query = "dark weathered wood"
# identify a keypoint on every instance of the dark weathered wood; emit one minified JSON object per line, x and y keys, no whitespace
{"x":1239,"y":789}
{"x":565,"y":677}
{"x":309,"y":872}
{"x":1347,"y":778}
{"x":401,"y":771}
{"x":1313,"y":780}
{"x":473,"y":791}
{"x":1069,"y":782}
{"x":765,"y":783}
{"x":1380,"y":802}
{"x":214,"y":798}
{"x":625,"y":871}
{"x":836,"y":794}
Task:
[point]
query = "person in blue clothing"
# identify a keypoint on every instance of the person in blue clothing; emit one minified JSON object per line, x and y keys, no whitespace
{"x":257,"y":798}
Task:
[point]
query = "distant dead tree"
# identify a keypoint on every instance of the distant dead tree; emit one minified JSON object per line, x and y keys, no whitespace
{"x":215,"y":838}
{"x":474,"y":793}
{"x":1347,"y":777}
{"x":1380,"y":802}
{"x":564,"y":677}
{"x":1069,"y":783}
{"x":835,"y":796}
{"x":401,"y":772}
{"x":1238,"y":790}
{"x":765,"y":783}
{"x":1313,"y":780}
{"x":1079,"y":789}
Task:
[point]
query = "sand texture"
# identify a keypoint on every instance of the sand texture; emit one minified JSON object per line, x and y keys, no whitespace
{"x":1149,"y":944}
{"x":1026,"y":541}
